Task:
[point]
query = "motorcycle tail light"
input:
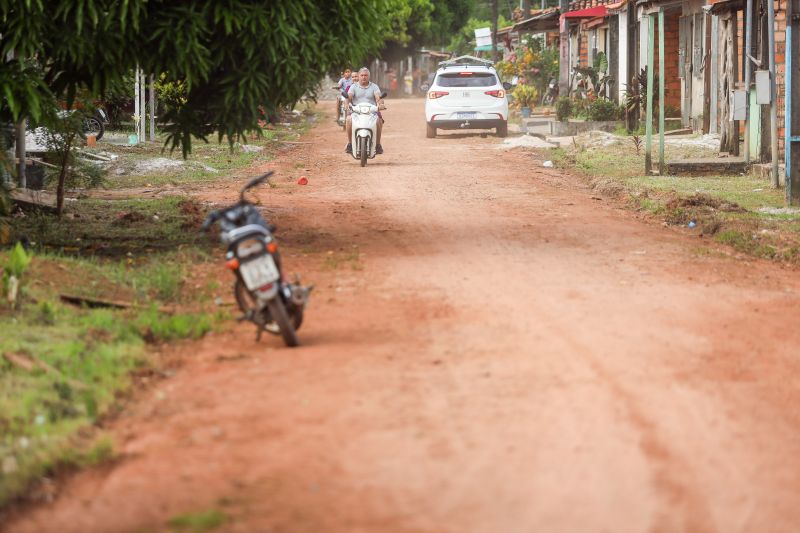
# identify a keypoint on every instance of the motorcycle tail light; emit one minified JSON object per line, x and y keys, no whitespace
{"x":497,"y":94}
{"x":433,"y":95}
{"x":232,"y":264}
{"x":272,"y":247}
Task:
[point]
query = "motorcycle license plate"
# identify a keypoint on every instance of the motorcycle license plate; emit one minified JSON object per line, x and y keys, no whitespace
{"x":259,"y":272}
{"x":470,"y":114}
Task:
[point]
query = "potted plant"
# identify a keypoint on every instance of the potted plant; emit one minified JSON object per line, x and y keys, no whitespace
{"x":524,"y":98}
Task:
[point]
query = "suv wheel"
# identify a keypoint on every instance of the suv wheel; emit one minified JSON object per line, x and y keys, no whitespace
{"x":502,"y":130}
{"x":430,"y":132}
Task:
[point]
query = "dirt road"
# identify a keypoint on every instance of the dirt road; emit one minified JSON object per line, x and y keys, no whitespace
{"x":489,"y":349}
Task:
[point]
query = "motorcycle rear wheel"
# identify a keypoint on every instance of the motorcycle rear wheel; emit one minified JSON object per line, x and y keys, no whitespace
{"x":93,"y":126}
{"x":278,"y":312}
{"x":247,"y":304}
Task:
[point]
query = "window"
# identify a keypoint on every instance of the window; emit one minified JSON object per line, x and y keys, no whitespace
{"x":466,"y":79}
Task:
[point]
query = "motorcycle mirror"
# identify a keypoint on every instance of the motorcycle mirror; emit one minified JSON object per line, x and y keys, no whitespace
{"x":507,"y":86}
{"x":255,"y":182}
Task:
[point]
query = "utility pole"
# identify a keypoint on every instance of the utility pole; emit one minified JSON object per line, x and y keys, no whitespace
{"x":773,"y":101}
{"x":792,"y":98}
{"x":563,"y":60}
{"x":152,"y":88}
{"x":19,"y":129}
{"x":748,"y":49}
{"x":495,"y":55}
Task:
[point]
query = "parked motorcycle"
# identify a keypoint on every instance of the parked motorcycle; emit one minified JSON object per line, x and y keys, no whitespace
{"x":95,"y":124}
{"x":552,"y":92}
{"x":264,"y":297}
{"x":365,"y":129}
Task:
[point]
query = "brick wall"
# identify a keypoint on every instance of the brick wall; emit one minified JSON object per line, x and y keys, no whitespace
{"x":672,"y":89}
{"x":583,"y":51}
{"x":672,"y":81}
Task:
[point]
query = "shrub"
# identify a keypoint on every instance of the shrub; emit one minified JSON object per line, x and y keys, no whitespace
{"x":524,"y":96}
{"x":563,"y":109}
{"x":602,"y":110}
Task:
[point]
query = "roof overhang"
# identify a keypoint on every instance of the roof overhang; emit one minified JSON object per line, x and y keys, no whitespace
{"x":544,"y":21}
{"x":725,"y":6}
{"x":589,"y":13}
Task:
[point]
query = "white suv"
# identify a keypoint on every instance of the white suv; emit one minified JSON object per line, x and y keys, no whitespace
{"x":466,"y":94}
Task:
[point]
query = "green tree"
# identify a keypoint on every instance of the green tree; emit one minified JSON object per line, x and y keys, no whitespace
{"x":463,"y":42}
{"x":407,"y":24}
{"x":447,"y":18}
{"x":232,"y":55}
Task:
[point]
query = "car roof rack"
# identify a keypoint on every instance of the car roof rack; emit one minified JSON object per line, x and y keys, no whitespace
{"x":465,"y":61}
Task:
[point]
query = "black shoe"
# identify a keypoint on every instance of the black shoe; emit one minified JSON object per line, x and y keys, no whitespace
{"x":349,"y":148}
{"x":378,"y":149}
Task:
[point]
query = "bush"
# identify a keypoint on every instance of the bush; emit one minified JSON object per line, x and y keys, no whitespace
{"x":563,"y":109}
{"x":603,"y":110}
{"x":524,"y":96}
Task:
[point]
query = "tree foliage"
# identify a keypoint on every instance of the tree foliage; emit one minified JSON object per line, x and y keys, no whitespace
{"x":448,"y":17}
{"x":232,"y":55}
{"x":406,"y":24}
{"x":463,"y":42}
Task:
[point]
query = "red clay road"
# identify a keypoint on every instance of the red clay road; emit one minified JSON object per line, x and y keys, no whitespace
{"x":489,"y":349}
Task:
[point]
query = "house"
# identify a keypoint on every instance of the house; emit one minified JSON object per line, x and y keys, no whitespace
{"x":705,"y":59}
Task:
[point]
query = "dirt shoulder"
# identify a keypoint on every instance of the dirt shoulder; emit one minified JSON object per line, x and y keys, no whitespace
{"x":741,"y":211}
{"x":489,"y":348}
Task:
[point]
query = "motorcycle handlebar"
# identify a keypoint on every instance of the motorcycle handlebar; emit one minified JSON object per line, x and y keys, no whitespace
{"x":210,"y":220}
{"x":254,"y":182}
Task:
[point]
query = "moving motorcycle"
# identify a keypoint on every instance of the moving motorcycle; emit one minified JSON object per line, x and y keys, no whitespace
{"x":365,"y":129}
{"x":263,"y":296}
{"x":341,"y":117}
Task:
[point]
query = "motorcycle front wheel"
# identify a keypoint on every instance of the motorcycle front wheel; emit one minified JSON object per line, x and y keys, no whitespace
{"x":363,"y":148}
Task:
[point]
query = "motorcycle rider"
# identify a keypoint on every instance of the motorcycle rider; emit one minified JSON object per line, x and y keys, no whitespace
{"x":364,"y":92}
{"x":343,"y":84}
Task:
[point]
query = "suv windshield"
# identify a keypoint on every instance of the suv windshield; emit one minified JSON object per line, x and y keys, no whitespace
{"x":466,"y":79}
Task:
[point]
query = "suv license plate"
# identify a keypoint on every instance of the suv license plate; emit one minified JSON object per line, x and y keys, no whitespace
{"x":259,"y":272}
{"x":470,"y":114}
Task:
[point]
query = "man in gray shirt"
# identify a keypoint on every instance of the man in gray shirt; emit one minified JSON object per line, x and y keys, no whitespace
{"x":365,"y":92}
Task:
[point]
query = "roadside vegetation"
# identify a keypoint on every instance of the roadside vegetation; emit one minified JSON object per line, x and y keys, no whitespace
{"x":741,"y":211}
{"x":64,"y":365}
{"x":98,"y":289}
{"x":150,"y":165}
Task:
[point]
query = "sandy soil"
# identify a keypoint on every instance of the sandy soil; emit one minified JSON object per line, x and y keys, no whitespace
{"x":489,"y":349}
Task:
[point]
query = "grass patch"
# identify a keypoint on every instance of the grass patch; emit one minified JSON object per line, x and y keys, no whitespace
{"x":63,"y":367}
{"x":154,"y":326}
{"x":104,"y":227}
{"x":199,"y":521}
{"x":140,"y":279}
{"x":148,"y":164}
